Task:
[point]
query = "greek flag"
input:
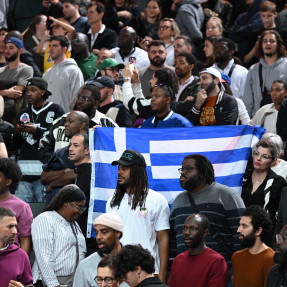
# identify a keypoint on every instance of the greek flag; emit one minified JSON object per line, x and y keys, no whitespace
{"x":227,"y":147}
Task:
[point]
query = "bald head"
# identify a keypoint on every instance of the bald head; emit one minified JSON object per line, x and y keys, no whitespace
{"x":200,"y":219}
{"x":80,"y":44}
{"x":76,"y":122}
{"x":195,"y":230}
{"x":127,"y":38}
{"x":15,"y":34}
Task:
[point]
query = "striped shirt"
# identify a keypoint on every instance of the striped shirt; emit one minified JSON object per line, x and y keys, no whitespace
{"x":222,"y":206}
{"x":55,"y":247}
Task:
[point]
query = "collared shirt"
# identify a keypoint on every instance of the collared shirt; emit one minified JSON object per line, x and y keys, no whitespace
{"x":238,"y":78}
{"x":55,"y":247}
{"x":94,"y":37}
{"x":181,"y":87}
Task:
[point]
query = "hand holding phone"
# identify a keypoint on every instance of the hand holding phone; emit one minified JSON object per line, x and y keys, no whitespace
{"x":132,"y":61}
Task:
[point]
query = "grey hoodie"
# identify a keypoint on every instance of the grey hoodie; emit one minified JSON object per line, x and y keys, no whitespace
{"x":252,"y":93}
{"x":64,"y":81}
{"x":189,"y":19}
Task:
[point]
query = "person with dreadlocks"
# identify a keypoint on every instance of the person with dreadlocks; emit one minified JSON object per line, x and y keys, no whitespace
{"x":144,"y":212}
{"x":58,"y":242}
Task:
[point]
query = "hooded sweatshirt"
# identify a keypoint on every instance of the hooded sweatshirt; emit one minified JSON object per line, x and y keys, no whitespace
{"x":64,"y":81}
{"x":252,"y":93}
{"x":15,"y":265}
{"x":189,"y":19}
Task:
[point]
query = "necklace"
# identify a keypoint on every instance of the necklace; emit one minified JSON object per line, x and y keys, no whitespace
{"x":32,"y":114}
{"x":167,"y":46}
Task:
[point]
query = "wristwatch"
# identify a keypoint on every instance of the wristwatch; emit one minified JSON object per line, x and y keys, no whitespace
{"x":127,"y":79}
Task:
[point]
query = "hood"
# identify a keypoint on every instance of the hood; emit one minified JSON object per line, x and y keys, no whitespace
{"x":63,"y":67}
{"x":277,"y":63}
{"x":193,"y":2}
{"x":12,"y":247}
{"x":67,"y":62}
{"x":254,"y":9}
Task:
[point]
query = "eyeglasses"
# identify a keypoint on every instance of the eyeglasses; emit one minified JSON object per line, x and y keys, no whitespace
{"x":186,"y":169}
{"x":163,"y":27}
{"x":112,"y":69}
{"x":84,"y":98}
{"x":80,"y":208}
{"x":108,"y":280}
{"x":264,"y":156}
{"x":167,"y":19}
{"x":281,"y":238}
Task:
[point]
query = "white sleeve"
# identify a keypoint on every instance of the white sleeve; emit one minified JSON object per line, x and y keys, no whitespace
{"x":43,"y":240}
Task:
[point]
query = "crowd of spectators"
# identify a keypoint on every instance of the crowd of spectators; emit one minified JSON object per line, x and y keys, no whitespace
{"x":70,"y":66}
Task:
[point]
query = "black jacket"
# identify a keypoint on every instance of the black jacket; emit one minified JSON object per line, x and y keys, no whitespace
{"x":7,"y":130}
{"x":225,"y":111}
{"x":259,"y":196}
{"x":152,"y":282}
{"x":192,"y":89}
{"x":27,"y":58}
{"x":108,"y":39}
{"x":277,"y":276}
{"x":118,"y":113}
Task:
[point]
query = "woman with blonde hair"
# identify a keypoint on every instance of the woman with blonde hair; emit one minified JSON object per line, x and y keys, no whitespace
{"x":167,"y":32}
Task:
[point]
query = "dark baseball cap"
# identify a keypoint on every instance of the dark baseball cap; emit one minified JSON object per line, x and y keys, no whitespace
{"x":40,"y":83}
{"x":104,"y":81}
{"x":130,"y":157}
{"x":17,"y":42}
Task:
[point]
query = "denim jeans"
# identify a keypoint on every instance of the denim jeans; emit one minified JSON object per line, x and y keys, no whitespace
{"x":31,"y":191}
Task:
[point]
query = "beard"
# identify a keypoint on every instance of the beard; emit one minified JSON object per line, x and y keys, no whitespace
{"x":210,"y":87}
{"x":191,"y":183}
{"x":248,"y":241}
{"x":219,"y":58}
{"x":7,"y":240}
{"x":123,"y":185}
{"x":157,"y":62}
{"x":179,"y":73}
{"x":106,"y":250}
{"x":12,"y":57}
{"x":88,"y":110}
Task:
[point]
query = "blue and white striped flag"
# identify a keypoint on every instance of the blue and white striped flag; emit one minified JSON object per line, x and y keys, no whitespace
{"x":227,"y":147}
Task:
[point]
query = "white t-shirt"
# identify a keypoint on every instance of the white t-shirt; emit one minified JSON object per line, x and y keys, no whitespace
{"x":141,"y":56}
{"x":140,"y":226}
{"x":281,"y":169}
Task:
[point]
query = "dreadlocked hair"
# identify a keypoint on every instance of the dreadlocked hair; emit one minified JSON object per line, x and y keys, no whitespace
{"x":61,"y":197}
{"x":138,"y":188}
